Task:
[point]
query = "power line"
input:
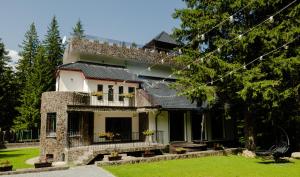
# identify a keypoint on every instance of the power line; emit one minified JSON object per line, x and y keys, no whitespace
{"x":260,"y":58}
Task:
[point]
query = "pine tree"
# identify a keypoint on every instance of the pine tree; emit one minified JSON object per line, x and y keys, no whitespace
{"x":35,"y":85}
{"x":28,"y":52}
{"x":54,"y":51}
{"x":24,"y":68}
{"x":7,"y":90}
{"x":263,"y":89}
{"x":78,"y":31}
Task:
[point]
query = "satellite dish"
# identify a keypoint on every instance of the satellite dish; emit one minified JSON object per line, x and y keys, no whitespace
{"x":64,"y":40}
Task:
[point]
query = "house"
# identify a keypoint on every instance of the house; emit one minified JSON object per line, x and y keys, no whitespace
{"x":108,"y":93}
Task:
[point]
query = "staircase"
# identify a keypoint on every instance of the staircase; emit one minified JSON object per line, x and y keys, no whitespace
{"x":85,"y":158}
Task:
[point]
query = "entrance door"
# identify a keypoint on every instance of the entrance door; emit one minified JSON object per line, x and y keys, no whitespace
{"x":122,"y":126}
{"x":143,"y":124}
{"x":176,"y":125}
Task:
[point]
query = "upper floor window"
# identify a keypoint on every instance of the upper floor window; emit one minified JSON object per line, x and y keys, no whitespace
{"x":121,"y":91}
{"x":110,"y":93}
{"x":51,"y":124}
{"x":100,"y":90}
{"x":131,"y":90}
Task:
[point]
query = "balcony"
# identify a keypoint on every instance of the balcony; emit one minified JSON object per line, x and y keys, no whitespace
{"x":119,"y":50}
{"x":118,"y":100}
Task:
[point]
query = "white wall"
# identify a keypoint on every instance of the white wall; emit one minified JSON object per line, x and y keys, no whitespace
{"x":188,"y":136}
{"x":70,"y":81}
{"x":91,"y":86}
{"x":162,"y":123}
{"x":76,"y":81}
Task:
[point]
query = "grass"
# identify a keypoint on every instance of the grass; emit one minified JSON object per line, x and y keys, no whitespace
{"x":217,"y":166}
{"x":17,"y":157}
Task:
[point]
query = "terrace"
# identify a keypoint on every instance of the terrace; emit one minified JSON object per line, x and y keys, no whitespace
{"x":118,"y":49}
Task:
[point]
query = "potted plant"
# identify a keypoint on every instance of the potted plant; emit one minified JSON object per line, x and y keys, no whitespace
{"x":148,"y":134}
{"x":114,"y":155}
{"x":97,"y":93}
{"x":180,"y":150}
{"x":148,"y":153}
{"x":127,"y":95}
{"x":5,"y":166}
{"x":42,"y":163}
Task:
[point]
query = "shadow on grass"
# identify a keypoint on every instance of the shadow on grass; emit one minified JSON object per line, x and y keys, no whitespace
{"x":10,"y":155}
{"x":8,"y":150}
{"x":281,"y":161}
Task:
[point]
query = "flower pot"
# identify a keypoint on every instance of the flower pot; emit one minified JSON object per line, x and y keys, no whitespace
{"x":42,"y":164}
{"x":114,"y":158}
{"x":6,"y":168}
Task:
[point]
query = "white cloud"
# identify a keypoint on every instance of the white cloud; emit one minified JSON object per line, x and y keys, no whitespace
{"x":14,"y":57}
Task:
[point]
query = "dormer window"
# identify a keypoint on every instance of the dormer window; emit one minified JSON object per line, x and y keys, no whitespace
{"x":110,"y":93}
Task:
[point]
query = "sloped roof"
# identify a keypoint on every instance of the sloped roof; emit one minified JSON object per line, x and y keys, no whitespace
{"x":161,"y":93}
{"x":96,"y":71}
{"x":165,"y":37}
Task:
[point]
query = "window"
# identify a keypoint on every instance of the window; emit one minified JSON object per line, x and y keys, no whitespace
{"x":51,"y":124}
{"x":100,"y":89}
{"x":121,"y":91}
{"x":110,"y":93}
{"x":131,"y":90}
{"x":131,"y":100}
{"x":74,"y":123}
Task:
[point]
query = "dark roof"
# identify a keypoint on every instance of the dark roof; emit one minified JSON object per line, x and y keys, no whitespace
{"x":161,"y":93}
{"x":165,"y":37}
{"x":96,"y":71}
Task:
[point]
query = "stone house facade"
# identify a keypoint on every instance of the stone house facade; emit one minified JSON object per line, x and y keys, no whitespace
{"x":108,"y":94}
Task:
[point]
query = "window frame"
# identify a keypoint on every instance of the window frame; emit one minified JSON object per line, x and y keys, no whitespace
{"x":121,"y":96}
{"x":110,"y":93}
{"x":100,"y":98}
{"x":51,"y":121}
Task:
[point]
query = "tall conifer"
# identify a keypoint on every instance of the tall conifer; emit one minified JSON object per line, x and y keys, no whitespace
{"x":54,"y":51}
{"x":265,"y":91}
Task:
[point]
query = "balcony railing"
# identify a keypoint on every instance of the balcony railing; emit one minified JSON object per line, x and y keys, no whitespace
{"x":75,"y":139}
{"x":104,"y":99}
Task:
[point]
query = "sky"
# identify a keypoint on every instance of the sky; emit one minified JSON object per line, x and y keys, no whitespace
{"x":125,"y":20}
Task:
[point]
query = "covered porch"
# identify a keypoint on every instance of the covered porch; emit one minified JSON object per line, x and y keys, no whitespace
{"x":109,"y":127}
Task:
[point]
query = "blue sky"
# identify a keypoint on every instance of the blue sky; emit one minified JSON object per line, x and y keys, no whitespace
{"x":125,"y":20}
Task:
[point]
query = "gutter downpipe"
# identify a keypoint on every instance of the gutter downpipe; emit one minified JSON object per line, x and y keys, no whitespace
{"x":156,"y":116}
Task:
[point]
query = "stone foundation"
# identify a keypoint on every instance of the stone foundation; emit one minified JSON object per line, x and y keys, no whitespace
{"x":170,"y":157}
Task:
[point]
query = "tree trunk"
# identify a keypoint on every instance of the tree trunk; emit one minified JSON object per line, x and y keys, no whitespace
{"x":249,"y":131}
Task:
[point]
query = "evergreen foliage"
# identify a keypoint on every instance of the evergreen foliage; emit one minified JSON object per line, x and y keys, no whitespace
{"x":265,"y":91}
{"x":7,"y":90}
{"x":35,"y":85}
{"x":78,"y":31}
{"x":54,"y":51}
{"x":37,"y":73}
{"x":28,"y":52}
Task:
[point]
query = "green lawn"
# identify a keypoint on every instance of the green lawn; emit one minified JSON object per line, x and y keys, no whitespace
{"x":217,"y":166}
{"x":17,"y":157}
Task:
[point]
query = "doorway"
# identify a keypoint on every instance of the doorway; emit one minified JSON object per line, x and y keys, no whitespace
{"x":119,"y":125}
{"x":143,"y":125}
{"x":176,"y":120}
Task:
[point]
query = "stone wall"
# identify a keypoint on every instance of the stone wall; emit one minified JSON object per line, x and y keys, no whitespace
{"x":143,"y":55}
{"x":197,"y":154}
{"x":56,"y":102}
